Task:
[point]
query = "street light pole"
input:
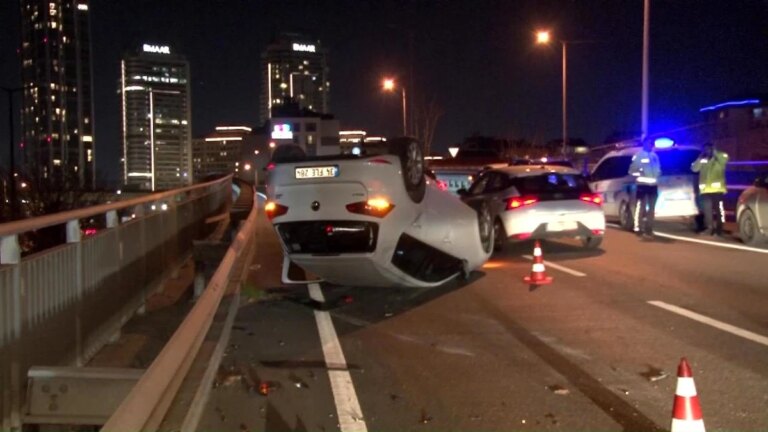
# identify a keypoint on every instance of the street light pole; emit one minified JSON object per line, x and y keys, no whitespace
{"x":11,"y":145}
{"x":565,"y":98}
{"x":646,"y":43}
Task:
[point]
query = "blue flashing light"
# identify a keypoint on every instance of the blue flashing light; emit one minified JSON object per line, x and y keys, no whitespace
{"x":663,"y":143}
{"x":731,"y":103}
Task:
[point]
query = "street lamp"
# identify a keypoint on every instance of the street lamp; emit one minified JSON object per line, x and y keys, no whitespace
{"x":543,"y":37}
{"x":389,"y":86}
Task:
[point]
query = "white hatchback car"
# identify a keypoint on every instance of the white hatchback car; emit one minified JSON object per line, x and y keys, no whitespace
{"x":539,"y":201}
{"x":677,"y":193}
{"x":375,"y":221}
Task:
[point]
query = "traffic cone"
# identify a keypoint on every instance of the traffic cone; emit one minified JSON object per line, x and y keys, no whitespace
{"x":538,"y":271}
{"x":686,"y":412}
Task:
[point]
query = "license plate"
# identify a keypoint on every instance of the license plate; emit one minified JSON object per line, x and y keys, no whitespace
{"x":561,"y":226}
{"x":317,"y":172}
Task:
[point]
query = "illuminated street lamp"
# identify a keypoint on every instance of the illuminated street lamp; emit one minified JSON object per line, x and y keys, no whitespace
{"x":389,"y":86}
{"x":543,"y":37}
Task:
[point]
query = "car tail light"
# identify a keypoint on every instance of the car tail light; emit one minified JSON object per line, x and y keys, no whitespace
{"x":598,"y":232}
{"x":522,"y":236}
{"x":592,"y":198}
{"x":379,"y":161}
{"x":274,"y":210}
{"x":517,"y":202}
{"x":377,"y":207}
{"x":442,"y":185}
{"x":90,"y":231}
{"x":271,"y":166}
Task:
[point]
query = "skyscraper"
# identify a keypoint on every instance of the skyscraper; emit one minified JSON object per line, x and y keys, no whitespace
{"x":57,"y":113}
{"x":293,"y":66}
{"x":157,"y":140}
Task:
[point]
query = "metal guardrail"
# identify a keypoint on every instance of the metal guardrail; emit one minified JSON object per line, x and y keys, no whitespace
{"x":146,"y":405}
{"x":60,"y":305}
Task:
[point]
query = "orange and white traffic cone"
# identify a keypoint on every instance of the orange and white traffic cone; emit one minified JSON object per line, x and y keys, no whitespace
{"x":686,"y":412}
{"x":538,"y":271}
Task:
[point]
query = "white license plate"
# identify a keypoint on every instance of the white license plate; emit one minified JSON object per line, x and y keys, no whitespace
{"x":561,"y":226}
{"x":317,"y":172}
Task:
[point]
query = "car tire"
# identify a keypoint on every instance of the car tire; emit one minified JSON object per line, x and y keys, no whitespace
{"x":485,"y":227}
{"x":748,"y":229}
{"x":412,"y":166}
{"x":625,"y":217}
{"x":591,"y":242}
{"x":499,"y":236}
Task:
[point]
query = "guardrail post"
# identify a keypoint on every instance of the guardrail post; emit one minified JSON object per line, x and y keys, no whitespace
{"x":112,"y":220}
{"x":10,"y":254}
{"x":74,"y":236}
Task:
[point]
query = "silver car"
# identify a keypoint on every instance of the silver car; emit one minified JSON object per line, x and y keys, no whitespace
{"x":752,"y":212}
{"x":535,"y":202}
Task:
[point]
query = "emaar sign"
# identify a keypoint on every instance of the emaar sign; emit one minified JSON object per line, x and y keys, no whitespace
{"x":157,"y":49}
{"x":303,"y":47}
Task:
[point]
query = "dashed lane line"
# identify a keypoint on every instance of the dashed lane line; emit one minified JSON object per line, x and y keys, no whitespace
{"x":347,"y":405}
{"x":559,"y":267}
{"x":746,"y":334}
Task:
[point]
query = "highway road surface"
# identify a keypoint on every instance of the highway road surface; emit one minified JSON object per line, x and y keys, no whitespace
{"x":597,"y":349}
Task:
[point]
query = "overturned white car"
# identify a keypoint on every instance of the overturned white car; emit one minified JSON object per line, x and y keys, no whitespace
{"x":376,"y":220}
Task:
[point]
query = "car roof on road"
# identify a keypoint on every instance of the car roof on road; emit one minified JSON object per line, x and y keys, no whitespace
{"x":532,"y":170}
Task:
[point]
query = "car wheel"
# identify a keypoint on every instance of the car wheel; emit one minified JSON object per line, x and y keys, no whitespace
{"x":499,"y":236}
{"x":625,"y":217}
{"x":412,"y":165}
{"x":748,"y":230}
{"x":485,"y":226}
{"x":591,"y":242}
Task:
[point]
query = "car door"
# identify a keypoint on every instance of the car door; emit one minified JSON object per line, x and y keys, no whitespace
{"x":475,"y":195}
{"x":495,"y":192}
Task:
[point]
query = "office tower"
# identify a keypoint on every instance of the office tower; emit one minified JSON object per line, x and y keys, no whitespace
{"x":157,"y":140}
{"x":294,"y":67}
{"x":57,"y":115}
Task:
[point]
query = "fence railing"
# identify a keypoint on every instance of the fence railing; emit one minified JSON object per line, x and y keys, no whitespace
{"x":60,"y":305}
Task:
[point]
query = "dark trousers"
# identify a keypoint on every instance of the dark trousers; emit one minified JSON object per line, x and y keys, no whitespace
{"x":713,"y":212}
{"x":644,"y":207}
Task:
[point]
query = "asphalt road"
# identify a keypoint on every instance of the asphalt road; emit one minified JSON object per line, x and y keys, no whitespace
{"x":587,"y":352}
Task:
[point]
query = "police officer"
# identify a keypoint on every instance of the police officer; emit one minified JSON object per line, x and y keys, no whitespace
{"x":646,"y":169}
{"x":711,"y":168}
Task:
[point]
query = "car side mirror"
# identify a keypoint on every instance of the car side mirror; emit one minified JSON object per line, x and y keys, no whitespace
{"x":462,"y":192}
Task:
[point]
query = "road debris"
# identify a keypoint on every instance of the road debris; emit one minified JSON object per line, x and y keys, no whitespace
{"x":654,"y":374}
{"x":558,"y":390}
{"x":424,"y":417}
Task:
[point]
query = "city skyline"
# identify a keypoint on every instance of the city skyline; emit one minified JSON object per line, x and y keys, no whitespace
{"x":478,"y":61}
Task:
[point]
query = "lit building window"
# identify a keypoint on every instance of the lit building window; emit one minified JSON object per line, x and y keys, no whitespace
{"x":57,"y":162}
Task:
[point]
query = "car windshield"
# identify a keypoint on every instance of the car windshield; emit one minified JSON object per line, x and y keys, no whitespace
{"x":676,"y":162}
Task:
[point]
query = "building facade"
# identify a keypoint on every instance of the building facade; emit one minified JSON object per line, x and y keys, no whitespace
{"x":317,"y":134}
{"x":57,"y":114}
{"x":293,"y":66}
{"x":156,"y":108}
{"x":227,"y":150}
{"x":738,"y":127}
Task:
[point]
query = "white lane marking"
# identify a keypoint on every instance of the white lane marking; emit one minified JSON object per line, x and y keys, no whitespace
{"x":712,"y":243}
{"x":706,"y":242}
{"x":315,"y":293}
{"x":559,"y":267}
{"x":746,"y":334}
{"x":347,"y":406}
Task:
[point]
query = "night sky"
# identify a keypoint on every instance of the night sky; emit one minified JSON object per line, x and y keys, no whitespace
{"x":476,"y":58}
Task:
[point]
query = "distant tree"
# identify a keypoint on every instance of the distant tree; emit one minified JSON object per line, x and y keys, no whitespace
{"x":426,"y":116}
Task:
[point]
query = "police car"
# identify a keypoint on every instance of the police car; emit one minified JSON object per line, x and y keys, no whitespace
{"x":676,"y":186}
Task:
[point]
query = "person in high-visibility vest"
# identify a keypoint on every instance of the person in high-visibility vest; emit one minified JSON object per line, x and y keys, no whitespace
{"x":646,"y":169}
{"x":711,"y":168}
